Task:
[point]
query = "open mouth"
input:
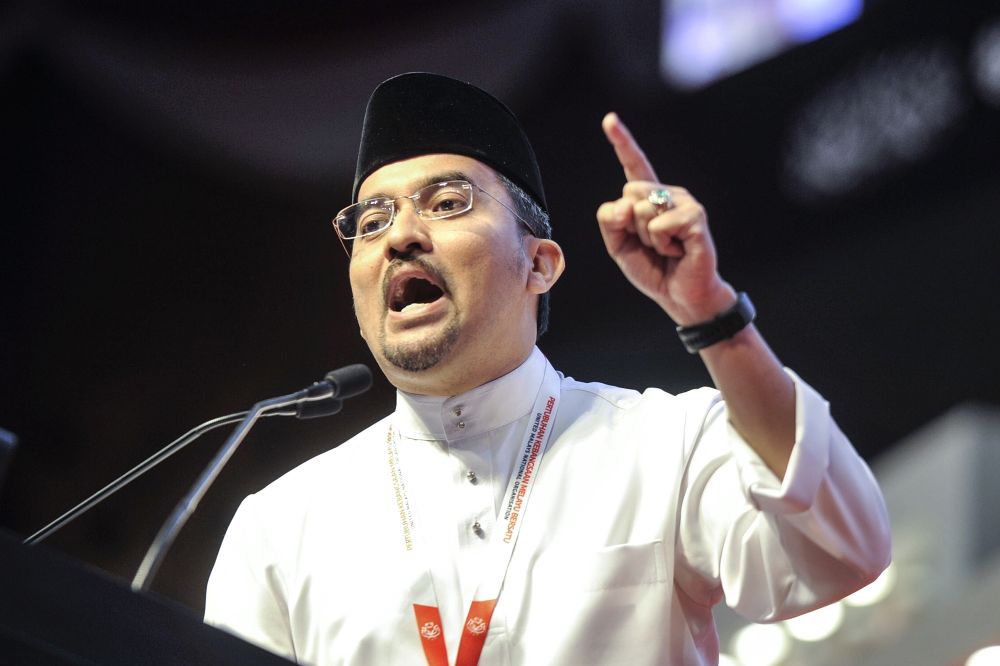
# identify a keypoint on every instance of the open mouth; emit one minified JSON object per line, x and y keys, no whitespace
{"x":413,"y":291}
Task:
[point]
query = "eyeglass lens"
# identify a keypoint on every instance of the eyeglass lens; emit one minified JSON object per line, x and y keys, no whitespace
{"x":434,"y":202}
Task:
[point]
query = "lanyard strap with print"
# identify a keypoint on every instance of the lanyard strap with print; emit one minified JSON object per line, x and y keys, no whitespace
{"x":501,"y":546}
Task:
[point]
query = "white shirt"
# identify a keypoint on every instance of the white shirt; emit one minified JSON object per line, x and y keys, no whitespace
{"x":648,"y":509}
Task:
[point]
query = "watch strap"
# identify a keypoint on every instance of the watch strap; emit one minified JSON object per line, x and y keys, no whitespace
{"x":722,"y":327}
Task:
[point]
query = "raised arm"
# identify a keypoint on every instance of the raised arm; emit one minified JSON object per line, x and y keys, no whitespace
{"x":666,"y":252}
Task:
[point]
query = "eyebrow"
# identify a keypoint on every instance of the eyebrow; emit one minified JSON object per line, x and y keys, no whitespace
{"x":439,"y":177}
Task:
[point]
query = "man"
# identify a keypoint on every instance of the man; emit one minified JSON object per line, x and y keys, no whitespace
{"x":504,"y":514}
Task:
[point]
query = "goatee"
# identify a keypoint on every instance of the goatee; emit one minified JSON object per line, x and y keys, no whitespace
{"x":423,"y":354}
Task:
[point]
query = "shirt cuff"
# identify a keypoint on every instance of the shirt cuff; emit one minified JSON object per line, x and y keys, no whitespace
{"x":808,"y":462}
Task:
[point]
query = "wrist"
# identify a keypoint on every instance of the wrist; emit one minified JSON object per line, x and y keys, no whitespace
{"x":704,"y":307}
{"x":723,"y":326}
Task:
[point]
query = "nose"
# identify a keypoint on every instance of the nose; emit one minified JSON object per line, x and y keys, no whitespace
{"x":407,"y":233}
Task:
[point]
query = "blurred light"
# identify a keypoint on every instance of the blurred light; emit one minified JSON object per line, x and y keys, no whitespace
{"x":818,"y":625}
{"x":988,"y":656}
{"x":890,"y":110}
{"x":761,"y":645}
{"x":704,"y":40}
{"x":875,"y":591}
{"x":807,"y":20}
{"x":985,"y":63}
{"x":726,"y":660}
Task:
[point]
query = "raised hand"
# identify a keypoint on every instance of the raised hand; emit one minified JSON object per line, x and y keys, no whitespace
{"x":661,"y":241}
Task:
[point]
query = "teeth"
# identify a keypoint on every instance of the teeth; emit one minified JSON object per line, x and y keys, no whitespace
{"x":411,"y":306}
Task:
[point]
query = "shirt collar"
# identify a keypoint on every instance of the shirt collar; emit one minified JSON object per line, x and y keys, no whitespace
{"x":484,"y":408}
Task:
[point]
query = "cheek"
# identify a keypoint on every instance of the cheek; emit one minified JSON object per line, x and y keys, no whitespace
{"x":499,"y":276}
{"x":364,"y":290}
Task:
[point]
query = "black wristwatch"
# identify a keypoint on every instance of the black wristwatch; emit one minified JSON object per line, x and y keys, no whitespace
{"x":724,"y":326}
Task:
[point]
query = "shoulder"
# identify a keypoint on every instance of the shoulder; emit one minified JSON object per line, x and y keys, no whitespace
{"x":616,"y":398}
{"x":323,"y":473}
{"x":606,"y":410}
{"x":309,"y":506}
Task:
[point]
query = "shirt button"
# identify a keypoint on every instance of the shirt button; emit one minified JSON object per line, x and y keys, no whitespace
{"x":461,"y":424}
{"x":457,"y":411}
{"x":471,"y":476}
{"x":477,"y":528}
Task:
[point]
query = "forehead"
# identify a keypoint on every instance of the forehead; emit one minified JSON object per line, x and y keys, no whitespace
{"x":403,"y":177}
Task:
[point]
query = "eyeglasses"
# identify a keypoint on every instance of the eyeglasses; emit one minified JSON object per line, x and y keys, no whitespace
{"x":433,"y":202}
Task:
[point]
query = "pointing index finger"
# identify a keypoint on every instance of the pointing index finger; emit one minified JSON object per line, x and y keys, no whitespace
{"x":632,"y":159}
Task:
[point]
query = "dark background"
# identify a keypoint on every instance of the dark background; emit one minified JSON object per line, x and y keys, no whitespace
{"x":169,"y":177}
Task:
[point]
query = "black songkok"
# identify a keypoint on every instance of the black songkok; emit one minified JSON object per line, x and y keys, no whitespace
{"x":419,"y":114}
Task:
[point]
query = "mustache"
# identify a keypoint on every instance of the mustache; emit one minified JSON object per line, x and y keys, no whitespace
{"x":399,"y":263}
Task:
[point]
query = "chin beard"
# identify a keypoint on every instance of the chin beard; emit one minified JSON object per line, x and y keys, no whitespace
{"x":423,"y":354}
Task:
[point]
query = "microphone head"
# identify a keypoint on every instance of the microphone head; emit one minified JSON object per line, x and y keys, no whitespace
{"x":349,"y":381}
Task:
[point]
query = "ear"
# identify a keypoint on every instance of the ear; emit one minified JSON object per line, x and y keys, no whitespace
{"x":547,"y":264}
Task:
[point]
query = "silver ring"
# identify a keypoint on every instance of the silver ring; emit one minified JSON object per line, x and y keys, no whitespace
{"x":661,"y":198}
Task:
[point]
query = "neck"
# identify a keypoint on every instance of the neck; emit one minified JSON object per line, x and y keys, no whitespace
{"x":454,"y":378}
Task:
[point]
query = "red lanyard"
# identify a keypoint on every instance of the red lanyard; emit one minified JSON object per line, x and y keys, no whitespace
{"x":477,"y":620}
{"x":473,"y":633}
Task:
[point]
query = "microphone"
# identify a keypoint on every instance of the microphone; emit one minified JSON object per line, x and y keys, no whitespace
{"x":305,"y":410}
{"x":346,"y":382}
{"x":320,"y":399}
{"x":349,"y":381}
{"x":351,"y":376}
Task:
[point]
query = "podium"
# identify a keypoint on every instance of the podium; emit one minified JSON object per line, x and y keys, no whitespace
{"x":58,"y":612}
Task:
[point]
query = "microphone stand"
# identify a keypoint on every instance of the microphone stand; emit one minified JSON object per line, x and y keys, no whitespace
{"x":134,"y":473}
{"x":168,"y":532}
{"x":304,"y":411}
{"x":343,"y":383}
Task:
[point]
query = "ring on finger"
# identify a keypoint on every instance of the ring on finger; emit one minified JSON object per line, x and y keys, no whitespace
{"x":661,"y":199}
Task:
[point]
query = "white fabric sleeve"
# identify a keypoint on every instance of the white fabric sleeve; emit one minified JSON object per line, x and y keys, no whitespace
{"x":246,"y":594}
{"x":776,"y":548}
